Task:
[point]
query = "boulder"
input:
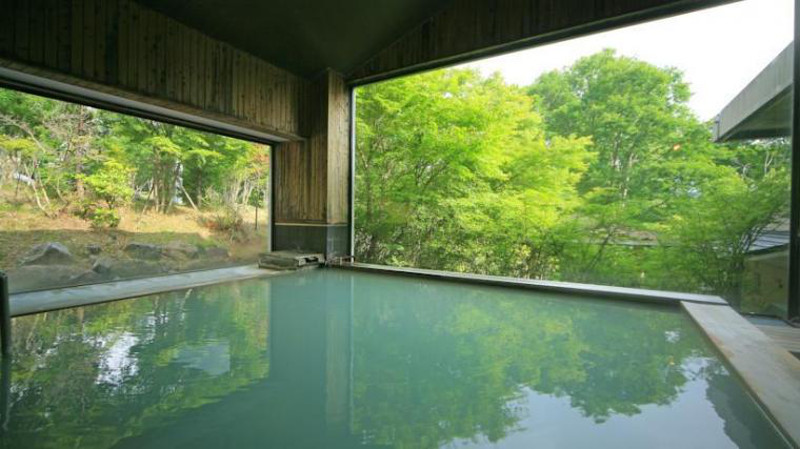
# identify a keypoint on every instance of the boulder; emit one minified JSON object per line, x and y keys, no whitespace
{"x":128,"y":269}
{"x":181,"y":251}
{"x":52,"y":253}
{"x":87,"y":277}
{"x":93,"y":249}
{"x":145,"y":251}
{"x":216,"y":252}
{"x":102,"y":266}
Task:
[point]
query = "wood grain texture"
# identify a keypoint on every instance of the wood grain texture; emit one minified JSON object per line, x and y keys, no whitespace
{"x":131,"y":51}
{"x":312,"y":177}
{"x":338,"y":167}
{"x":770,"y":372}
{"x":474,"y":28}
{"x":785,"y":336}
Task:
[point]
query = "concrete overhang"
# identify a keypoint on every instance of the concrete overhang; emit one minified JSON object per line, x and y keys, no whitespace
{"x":763,"y":109}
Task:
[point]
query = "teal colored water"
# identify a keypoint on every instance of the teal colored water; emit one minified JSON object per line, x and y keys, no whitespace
{"x":335,"y":359}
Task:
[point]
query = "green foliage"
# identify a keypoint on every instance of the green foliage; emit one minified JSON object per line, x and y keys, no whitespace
{"x":227,"y":220}
{"x":102,"y":217}
{"x":715,"y":230}
{"x":445,"y":166}
{"x":17,"y":145}
{"x":110,"y":183}
{"x":595,"y":173}
{"x":59,"y":155}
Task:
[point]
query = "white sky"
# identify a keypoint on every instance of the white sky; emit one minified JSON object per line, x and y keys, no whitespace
{"x":719,"y":49}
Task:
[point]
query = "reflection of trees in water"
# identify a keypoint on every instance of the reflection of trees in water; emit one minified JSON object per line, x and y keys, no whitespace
{"x":431,"y":370}
{"x":338,"y":361}
{"x":737,"y":410}
{"x":131,"y":364}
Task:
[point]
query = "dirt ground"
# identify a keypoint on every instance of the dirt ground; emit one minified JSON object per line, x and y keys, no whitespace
{"x":22,"y":227}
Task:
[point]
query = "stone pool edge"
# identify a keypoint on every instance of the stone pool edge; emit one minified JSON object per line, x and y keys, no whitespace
{"x":770,"y":373}
{"x":619,"y":293}
{"x":63,"y":298}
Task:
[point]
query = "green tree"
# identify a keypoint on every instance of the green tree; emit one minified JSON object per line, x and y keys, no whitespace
{"x":598,"y":172}
{"x":444,"y":167}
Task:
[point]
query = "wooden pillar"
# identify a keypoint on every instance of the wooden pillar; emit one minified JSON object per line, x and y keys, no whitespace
{"x":311,"y":177}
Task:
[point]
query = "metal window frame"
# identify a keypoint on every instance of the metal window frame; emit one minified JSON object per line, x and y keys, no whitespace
{"x":61,"y":91}
{"x":793,"y":292}
{"x":793,"y":299}
{"x":351,"y":178}
{"x":58,"y":90}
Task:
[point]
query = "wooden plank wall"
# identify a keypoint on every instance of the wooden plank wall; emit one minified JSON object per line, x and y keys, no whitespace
{"x":299,"y":193}
{"x":338,"y":151}
{"x":312,"y":177}
{"x":473,"y":28}
{"x":144,"y":55}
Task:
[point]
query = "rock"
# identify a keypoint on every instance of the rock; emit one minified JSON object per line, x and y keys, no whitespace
{"x":143,"y":251}
{"x":102,"y":266}
{"x":181,"y":251}
{"x":217,"y":252}
{"x":93,"y":249}
{"x":128,"y":269}
{"x":52,"y":253}
{"x":36,"y":277}
{"x":87,"y":277}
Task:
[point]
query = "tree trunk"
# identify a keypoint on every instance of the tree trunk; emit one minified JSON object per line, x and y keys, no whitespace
{"x":199,"y":194}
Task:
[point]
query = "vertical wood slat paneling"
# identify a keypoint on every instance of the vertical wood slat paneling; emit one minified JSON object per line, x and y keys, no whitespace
{"x":97,"y":70}
{"x":7,"y":28}
{"x":338,"y":151}
{"x":76,"y":38}
{"x":119,"y":44}
{"x":36,"y":35}
{"x":87,"y":31}
{"x":473,"y":28}
{"x":63,"y":36}
{"x":50,"y":45}
{"x":111,"y":53}
{"x":312,"y":177}
{"x":139,"y":53}
{"x":123,"y":44}
{"x":21,"y":29}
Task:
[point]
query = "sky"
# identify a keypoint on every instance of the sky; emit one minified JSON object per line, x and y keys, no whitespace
{"x":720,"y":50}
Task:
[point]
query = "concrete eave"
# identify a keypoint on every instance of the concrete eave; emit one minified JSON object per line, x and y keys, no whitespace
{"x":763,"y":108}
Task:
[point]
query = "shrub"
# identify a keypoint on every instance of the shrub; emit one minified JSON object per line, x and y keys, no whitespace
{"x":110,"y":183}
{"x":102,"y":217}
{"x":227,"y":219}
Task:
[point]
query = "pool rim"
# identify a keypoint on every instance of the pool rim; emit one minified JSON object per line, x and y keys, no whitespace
{"x":749,"y":365}
{"x":723,"y":327}
{"x":571,"y":288}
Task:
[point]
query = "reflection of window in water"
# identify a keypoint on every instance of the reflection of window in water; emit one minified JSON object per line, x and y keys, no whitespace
{"x":337,"y":359}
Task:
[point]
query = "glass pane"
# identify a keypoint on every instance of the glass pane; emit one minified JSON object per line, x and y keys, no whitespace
{"x":89,"y":196}
{"x":654,"y":156}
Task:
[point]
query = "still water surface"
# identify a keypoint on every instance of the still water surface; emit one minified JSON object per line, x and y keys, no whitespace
{"x":335,"y":359}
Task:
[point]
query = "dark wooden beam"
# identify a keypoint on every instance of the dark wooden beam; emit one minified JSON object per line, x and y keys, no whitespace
{"x":311,"y":177}
{"x":123,"y":49}
{"x":470,"y":29}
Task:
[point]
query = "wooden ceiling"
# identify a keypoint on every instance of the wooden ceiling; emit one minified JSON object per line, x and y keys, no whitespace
{"x":303,"y":36}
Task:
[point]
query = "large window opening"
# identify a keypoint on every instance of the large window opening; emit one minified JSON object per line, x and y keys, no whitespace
{"x":89,"y":196}
{"x":632,"y":158}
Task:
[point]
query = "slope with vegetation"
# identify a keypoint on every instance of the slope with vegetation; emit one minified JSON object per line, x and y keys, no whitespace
{"x":97,"y":185}
{"x":596,"y":173}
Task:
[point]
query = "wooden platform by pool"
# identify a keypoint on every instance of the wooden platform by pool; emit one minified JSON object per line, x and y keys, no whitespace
{"x":783,"y":334}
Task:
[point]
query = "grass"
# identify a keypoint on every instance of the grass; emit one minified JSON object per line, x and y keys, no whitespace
{"x":22,"y":226}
